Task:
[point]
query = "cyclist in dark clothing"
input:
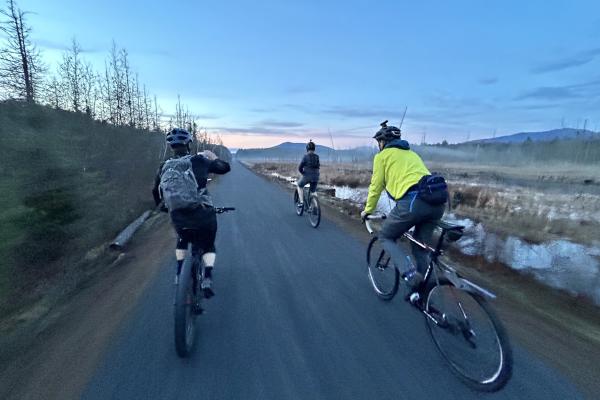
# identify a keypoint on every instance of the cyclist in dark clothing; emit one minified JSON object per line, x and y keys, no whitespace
{"x":202,"y":219}
{"x":309,"y":168}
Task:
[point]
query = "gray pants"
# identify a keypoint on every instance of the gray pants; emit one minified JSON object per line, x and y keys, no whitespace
{"x":409,"y":211}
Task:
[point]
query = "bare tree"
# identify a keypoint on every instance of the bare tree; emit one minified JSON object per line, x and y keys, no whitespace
{"x":72,"y":72}
{"x":117,"y":84}
{"x":106,"y":94}
{"x":21,"y":66}
{"x":128,"y":85}
{"x":54,"y":93}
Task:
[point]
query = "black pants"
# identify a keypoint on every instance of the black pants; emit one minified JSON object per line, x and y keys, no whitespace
{"x":198,"y":226}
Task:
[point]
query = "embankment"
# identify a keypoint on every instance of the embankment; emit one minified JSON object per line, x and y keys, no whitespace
{"x":69,"y":184}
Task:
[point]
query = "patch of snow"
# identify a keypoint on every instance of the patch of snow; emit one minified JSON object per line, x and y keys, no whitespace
{"x":558,"y":263}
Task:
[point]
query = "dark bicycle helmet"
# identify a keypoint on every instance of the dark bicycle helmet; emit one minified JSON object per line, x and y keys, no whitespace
{"x":310,"y":146}
{"x":178,"y":136}
{"x":387,"y":133}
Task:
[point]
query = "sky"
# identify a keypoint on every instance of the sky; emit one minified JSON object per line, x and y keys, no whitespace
{"x":262,"y":72}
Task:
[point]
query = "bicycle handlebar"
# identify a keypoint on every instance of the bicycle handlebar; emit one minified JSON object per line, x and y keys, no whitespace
{"x":372,"y":217}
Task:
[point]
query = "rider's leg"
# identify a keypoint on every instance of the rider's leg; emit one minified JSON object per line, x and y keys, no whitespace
{"x":207,"y":242}
{"x":399,"y":220}
{"x":300,"y":195}
{"x":208,"y":259}
{"x":300,"y":189}
{"x":423,"y":233}
{"x":180,"y":251}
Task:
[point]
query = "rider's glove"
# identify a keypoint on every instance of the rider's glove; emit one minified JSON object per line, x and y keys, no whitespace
{"x":364,"y":215}
{"x":209,"y":154}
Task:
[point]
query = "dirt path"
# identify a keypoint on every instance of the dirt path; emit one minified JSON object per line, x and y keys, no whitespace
{"x":66,"y":354}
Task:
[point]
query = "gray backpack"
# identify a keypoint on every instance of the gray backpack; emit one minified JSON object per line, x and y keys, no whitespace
{"x":178,"y":185}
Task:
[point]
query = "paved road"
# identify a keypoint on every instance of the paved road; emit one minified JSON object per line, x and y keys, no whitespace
{"x":294,"y":318}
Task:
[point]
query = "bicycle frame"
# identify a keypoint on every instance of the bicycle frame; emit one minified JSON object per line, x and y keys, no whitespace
{"x":448,"y":272}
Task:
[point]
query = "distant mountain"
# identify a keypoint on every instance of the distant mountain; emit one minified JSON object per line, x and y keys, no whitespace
{"x":559,"y":134}
{"x":295,"y":151}
{"x":290,"y":146}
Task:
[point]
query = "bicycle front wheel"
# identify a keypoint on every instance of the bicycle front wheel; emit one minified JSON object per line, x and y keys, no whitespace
{"x":299,"y":209}
{"x":184,"y":316}
{"x":384,"y":276}
{"x":470,"y":337}
{"x":314,"y":211}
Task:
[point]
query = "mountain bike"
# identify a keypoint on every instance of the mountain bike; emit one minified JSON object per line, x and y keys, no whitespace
{"x":464,"y":328}
{"x":188,"y":294}
{"x":311,"y":205}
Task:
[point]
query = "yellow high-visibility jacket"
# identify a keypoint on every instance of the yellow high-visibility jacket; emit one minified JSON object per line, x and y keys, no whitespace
{"x":396,"y":168}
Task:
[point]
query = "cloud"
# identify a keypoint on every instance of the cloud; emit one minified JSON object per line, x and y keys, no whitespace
{"x":281,"y":124}
{"x":52,"y":45}
{"x":299,"y":89}
{"x":573,"y":91}
{"x":195,"y":116}
{"x":488,"y":81}
{"x":575,"y":60}
{"x":549,"y":93}
{"x":262,"y":109}
{"x":257,"y":131}
{"x":362,"y":112}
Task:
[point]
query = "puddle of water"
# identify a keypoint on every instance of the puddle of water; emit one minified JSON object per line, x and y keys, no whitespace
{"x":558,"y":263}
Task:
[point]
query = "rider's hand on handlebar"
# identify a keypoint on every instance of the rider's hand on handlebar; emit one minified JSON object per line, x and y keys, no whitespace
{"x":209,"y":154}
{"x":364,"y":215}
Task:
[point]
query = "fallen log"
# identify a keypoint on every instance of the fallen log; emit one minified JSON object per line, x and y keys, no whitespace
{"x":126,"y":234}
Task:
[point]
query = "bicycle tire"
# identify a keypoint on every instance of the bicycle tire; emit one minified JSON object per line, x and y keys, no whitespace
{"x":184,"y":316}
{"x":376,"y":269}
{"x":299,"y":210}
{"x":315,"y":211}
{"x":501,"y":369}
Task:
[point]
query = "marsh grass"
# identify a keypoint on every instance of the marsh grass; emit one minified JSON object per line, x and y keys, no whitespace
{"x":534,"y":203}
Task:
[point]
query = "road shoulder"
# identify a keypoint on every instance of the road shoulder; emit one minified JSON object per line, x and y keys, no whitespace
{"x":63,"y":357}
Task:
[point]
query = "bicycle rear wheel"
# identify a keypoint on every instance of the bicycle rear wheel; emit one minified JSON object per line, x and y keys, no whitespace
{"x":470,"y":337}
{"x":314,"y":211}
{"x":299,"y":209}
{"x":184,"y":316}
{"x":384,"y":276}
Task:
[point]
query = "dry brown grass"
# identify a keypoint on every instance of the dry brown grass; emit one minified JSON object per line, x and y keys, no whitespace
{"x":529,"y":215}
{"x":352,"y":175}
{"x":502,"y":198}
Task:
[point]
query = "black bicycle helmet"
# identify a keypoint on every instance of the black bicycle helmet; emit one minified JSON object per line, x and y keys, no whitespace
{"x":310,"y":146}
{"x":178,"y":136}
{"x":387,"y":133}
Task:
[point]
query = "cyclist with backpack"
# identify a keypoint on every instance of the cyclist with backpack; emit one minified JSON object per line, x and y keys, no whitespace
{"x":181,"y":184}
{"x":309,"y":168}
{"x":419,"y":198}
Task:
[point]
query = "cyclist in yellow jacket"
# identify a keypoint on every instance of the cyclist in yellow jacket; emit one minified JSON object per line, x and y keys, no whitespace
{"x":398,"y":170}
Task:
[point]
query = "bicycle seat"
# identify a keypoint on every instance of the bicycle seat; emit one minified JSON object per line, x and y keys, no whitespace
{"x":450,"y":231}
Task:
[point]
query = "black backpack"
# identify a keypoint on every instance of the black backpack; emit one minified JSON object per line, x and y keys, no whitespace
{"x":433,"y":189}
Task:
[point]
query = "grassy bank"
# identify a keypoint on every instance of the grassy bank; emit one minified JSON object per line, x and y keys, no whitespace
{"x":68,"y":184}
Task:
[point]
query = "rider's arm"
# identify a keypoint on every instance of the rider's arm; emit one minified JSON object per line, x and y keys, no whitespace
{"x":377,"y":184}
{"x":219,"y":167}
{"x":301,"y":165}
{"x":155,"y":189}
